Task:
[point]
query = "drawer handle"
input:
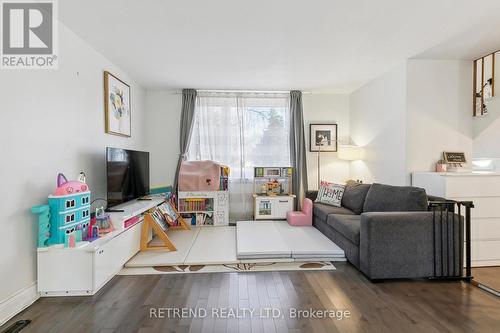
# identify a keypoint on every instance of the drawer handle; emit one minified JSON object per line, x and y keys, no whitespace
{"x":283,"y":201}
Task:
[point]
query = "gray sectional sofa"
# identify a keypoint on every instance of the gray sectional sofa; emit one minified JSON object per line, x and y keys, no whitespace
{"x":387,"y":231}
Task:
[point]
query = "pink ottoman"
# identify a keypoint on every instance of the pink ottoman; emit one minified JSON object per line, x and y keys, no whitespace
{"x":303,"y":218}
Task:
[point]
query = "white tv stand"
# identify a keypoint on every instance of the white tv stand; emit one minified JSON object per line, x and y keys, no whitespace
{"x":85,"y":269}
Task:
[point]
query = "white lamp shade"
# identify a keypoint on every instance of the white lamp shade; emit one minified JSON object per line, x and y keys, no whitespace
{"x":350,"y":153}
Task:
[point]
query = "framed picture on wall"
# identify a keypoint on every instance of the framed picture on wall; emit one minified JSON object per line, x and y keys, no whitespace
{"x":117,"y":106}
{"x":484,"y":83}
{"x":323,"y":137}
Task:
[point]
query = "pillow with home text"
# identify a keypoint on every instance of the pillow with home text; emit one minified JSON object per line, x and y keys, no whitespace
{"x":330,"y":193}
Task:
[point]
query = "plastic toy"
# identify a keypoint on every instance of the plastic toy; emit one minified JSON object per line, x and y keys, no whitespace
{"x":273,"y":181}
{"x":69,"y":209}
{"x":102,"y":219}
{"x":274,"y":188}
{"x":43,"y":212}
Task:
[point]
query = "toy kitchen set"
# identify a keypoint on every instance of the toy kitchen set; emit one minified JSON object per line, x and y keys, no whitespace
{"x":273,"y":196}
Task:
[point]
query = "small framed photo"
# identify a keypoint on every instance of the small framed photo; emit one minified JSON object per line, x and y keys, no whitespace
{"x":454,"y":157}
{"x":323,"y":137}
{"x":117,"y":106}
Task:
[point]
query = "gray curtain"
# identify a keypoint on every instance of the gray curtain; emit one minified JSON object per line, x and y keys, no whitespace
{"x":298,"y":147}
{"x":187,"y":120}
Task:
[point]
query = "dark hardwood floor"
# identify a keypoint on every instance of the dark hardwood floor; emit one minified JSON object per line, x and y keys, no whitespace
{"x":124,"y":305}
{"x":488,"y":276}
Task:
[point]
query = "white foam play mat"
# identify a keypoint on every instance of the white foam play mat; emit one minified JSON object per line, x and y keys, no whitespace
{"x":277,"y":239}
{"x":229,"y":268}
{"x":262,"y":242}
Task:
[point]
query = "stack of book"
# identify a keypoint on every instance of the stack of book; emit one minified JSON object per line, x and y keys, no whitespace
{"x":195,"y":204}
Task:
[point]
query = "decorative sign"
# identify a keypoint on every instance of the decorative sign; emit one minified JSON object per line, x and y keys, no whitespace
{"x":454,"y":157}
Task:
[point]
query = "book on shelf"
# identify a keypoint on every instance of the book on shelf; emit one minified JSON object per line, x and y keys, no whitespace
{"x":195,"y":204}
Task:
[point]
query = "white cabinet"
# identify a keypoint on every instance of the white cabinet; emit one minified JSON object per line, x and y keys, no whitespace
{"x":272,"y":207}
{"x":85,"y":269}
{"x":484,"y":190}
{"x":110,"y":258}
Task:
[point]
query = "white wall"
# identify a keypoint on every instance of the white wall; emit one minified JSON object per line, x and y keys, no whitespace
{"x":439,"y":111}
{"x":487,"y":128}
{"x":378,"y":123}
{"x":326,"y":108}
{"x":162,"y":134}
{"x":163,"y":116}
{"x":52,"y":121}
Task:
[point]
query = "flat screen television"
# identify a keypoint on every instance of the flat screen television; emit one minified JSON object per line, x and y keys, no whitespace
{"x":127,"y":175}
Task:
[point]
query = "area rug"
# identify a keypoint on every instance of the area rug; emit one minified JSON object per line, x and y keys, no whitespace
{"x":229,"y":268}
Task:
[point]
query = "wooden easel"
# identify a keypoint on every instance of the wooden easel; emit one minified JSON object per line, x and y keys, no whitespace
{"x":151,"y":224}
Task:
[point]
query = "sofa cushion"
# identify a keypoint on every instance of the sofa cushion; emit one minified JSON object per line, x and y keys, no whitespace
{"x":347,"y":225}
{"x":355,"y":195}
{"x":387,"y":198}
{"x":322,"y":211}
{"x":351,"y":250}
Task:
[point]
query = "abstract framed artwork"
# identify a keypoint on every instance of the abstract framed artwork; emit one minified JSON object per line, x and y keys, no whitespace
{"x":117,"y":106}
{"x":323,"y":137}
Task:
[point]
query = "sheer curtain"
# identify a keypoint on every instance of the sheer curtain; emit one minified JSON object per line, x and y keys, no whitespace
{"x":241,"y":130}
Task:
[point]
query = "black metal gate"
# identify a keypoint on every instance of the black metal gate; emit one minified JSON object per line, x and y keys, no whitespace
{"x":452,"y":232}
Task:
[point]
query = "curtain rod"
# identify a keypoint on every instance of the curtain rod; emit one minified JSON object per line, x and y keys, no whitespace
{"x":244,"y":91}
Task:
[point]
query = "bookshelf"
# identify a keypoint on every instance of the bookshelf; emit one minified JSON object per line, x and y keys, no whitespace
{"x":159,"y":220}
{"x":204,"y":207}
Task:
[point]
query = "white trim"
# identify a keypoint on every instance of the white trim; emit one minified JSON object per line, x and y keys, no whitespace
{"x":488,"y":289}
{"x":18,"y":302}
{"x":51,"y":196}
{"x":64,"y":212}
{"x":72,"y":224}
{"x":179,"y":92}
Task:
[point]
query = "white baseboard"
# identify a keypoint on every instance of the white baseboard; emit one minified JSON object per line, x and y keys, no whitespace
{"x":18,"y":302}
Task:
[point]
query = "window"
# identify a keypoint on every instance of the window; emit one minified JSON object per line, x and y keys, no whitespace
{"x":70,"y":203}
{"x":241,"y":131}
{"x":70,"y":218}
{"x":85,"y":213}
{"x":85,"y":200}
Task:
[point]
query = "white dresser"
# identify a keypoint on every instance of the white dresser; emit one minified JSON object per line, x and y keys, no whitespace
{"x":483,"y":188}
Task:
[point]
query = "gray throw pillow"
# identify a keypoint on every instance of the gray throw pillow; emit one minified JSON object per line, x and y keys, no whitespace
{"x":355,"y":195}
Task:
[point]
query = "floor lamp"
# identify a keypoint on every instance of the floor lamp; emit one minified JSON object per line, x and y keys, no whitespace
{"x":344,"y":152}
{"x":329,"y":142}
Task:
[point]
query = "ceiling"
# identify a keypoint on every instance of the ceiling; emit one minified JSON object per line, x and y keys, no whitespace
{"x":319,"y":45}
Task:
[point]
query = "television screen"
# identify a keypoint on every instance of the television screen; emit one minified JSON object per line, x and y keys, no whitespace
{"x":127,"y":175}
